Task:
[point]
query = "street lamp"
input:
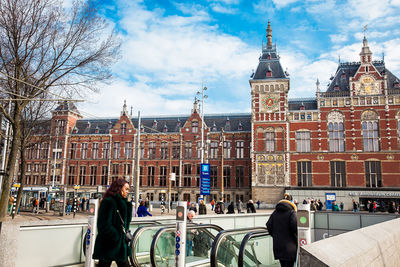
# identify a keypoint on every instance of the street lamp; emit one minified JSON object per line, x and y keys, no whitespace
{"x":203,"y":96}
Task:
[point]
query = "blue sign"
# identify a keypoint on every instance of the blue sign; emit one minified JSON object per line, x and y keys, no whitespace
{"x":177,"y":245}
{"x":177,"y":252}
{"x":178,"y":239}
{"x":205,"y":179}
{"x":329,"y":198}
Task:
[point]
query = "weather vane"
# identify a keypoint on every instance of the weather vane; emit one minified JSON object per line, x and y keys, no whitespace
{"x":365,"y":29}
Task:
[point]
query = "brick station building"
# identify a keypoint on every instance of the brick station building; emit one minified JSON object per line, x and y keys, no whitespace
{"x":343,"y":141}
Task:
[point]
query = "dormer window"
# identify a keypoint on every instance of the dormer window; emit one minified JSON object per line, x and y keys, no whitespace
{"x":96,"y":130}
{"x":141,"y":128}
{"x":269,"y":71}
{"x":240,"y":126}
{"x":302,"y":107}
{"x":396,"y":84}
{"x":343,"y":75}
{"x":154,"y":124}
{"x":336,"y":87}
{"x":214,"y":127}
{"x":165,"y":129}
{"x":268,"y":56}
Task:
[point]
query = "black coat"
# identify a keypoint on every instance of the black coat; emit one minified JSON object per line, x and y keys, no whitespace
{"x":282,"y":226}
{"x":110,"y":241}
{"x":202,"y":209}
{"x":231,"y":208}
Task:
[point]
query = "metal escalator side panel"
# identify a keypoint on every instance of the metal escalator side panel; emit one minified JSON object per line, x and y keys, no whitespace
{"x":226,"y":235}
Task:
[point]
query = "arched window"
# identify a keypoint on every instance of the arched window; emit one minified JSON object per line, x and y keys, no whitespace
{"x":370,"y":131}
{"x":270,"y":141}
{"x":336,"y":131}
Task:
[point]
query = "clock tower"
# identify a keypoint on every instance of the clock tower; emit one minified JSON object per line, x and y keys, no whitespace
{"x":270,"y":127}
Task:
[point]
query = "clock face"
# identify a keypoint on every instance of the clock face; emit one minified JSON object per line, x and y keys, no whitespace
{"x":368,"y":86}
{"x":270,"y":102}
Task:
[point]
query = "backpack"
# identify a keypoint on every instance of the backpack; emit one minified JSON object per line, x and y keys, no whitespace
{"x":218,"y":209}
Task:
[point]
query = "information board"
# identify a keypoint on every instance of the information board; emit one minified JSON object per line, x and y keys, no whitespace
{"x":205,"y":179}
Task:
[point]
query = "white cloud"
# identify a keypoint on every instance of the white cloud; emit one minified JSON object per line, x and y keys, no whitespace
{"x":283,"y":3}
{"x":222,"y":9}
{"x":338,"y":38}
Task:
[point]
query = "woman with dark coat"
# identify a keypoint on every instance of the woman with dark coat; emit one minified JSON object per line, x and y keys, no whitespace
{"x":282,"y":226}
{"x":250,"y":207}
{"x":202,"y":208}
{"x":110,"y":241}
{"x":142,"y":210}
{"x":231,"y":208}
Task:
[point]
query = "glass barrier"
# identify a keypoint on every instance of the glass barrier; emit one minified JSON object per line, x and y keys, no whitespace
{"x":256,"y":249}
{"x":226,"y":246}
{"x":199,"y":241}
{"x":141,"y":243}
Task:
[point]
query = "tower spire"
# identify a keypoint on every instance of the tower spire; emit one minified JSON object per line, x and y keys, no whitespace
{"x":269,"y":35}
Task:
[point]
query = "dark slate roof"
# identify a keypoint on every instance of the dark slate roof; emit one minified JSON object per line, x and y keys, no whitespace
{"x":297,"y":103}
{"x":172,"y":124}
{"x":349,"y":69}
{"x":273,"y":64}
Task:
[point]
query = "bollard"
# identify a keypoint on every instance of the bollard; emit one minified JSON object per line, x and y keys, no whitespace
{"x":91,"y":232}
{"x":303,"y":224}
{"x":180,"y":234}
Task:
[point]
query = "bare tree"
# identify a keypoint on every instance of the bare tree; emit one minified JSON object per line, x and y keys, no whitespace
{"x":45,"y":48}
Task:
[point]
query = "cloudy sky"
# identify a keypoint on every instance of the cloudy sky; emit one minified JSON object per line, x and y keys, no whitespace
{"x":170,"y":49}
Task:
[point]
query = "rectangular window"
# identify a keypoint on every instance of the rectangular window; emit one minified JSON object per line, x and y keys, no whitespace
{"x":128,"y":150}
{"x":213,"y":176}
{"x":123,"y":128}
{"x":150,"y":175}
{"x":141,"y":176}
{"x":270,"y":141}
{"x":188,"y":150}
{"x":227,"y":177}
{"x":104,"y":175}
{"x":44,"y":167}
{"x":45,"y":150}
{"x":175,"y":169}
{"x":84,"y":151}
{"x":370,"y":136}
{"x":239,"y":149}
{"x":164,"y":150}
{"x":163,"y":176}
{"x":71,"y":175}
{"x":142,"y":150}
{"x":152,"y":150}
{"x":116,"y":150}
{"x":93,"y":174}
{"x":127,"y":169}
{"x":195,"y":126}
{"x":95,"y":150}
{"x":227,"y":149}
{"x":82,"y":175}
{"x":115,"y":172}
{"x":336,"y":137}
{"x":373,"y":176}
{"x":338,"y":173}
{"x":303,"y":141}
{"x":176,"y":150}
{"x":213,"y":150}
{"x":187,"y":175}
{"x":150,"y":196}
{"x":239,"y":176}
{"x":304,"y":175}
{"x":198,"y":150}
{"x":106,"y":150}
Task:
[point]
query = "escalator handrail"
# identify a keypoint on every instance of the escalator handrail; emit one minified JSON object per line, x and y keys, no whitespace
{"x":246,"y":239}
{"x":218,"y":239}
{"x":165,"y":229}
{"x":136,"y":235}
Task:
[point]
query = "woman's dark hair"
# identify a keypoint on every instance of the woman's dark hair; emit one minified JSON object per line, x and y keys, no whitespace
{"x":115,"y":188}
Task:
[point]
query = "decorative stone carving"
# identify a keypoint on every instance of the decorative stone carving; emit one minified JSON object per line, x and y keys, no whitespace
{"x":335,"y":116}
{"x":369,"y":115}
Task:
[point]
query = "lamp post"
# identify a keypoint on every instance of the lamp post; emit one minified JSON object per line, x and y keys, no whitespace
{"x":203,"y":96}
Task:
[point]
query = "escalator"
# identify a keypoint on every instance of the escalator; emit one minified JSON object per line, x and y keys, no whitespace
{"x":198,"y":245}
{"x":243,"y":247}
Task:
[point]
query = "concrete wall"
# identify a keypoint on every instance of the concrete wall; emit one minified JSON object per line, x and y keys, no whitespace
{"x":376,"y":245}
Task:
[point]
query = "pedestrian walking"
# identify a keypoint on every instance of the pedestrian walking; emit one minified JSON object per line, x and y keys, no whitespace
{"x":220,"y":207}
{"x":231,"y":208}
{"x":115,"y":215}
{"x":258,"y":204}
{"x":282,"y":226}
{"x":355,"y":206}
{"x":212,"y":204}
{"x":250,"y":207}
{"x":341,"y":206}
{"x":193,"y":207}
{"x":202,"y":208}
{"x":142,"y":210}
{"x":10,"y":204}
